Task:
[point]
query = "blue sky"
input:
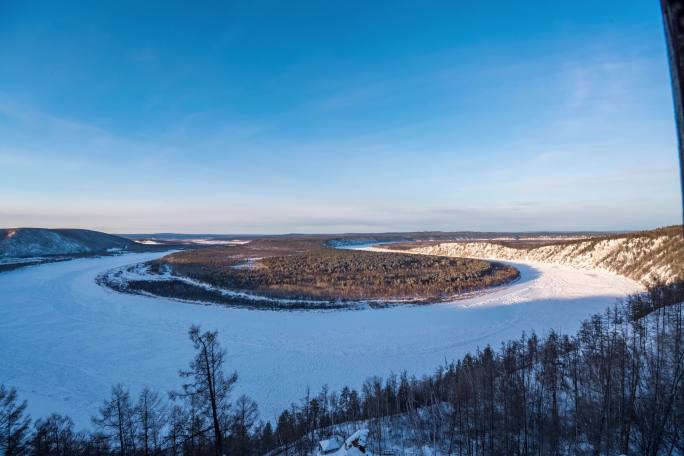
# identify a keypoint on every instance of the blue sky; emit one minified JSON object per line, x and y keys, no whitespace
{"x":267,"y":117}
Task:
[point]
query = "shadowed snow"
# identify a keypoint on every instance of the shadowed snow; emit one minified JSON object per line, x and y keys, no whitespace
{"x":66,"y":340}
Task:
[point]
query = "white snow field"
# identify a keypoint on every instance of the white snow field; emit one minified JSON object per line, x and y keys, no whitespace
{"x":64,"y":340}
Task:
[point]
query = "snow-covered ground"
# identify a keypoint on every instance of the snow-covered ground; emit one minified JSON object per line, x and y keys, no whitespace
{"x":65,"y":340}
{"x":639,"y":257}
{"x":118,"y":279}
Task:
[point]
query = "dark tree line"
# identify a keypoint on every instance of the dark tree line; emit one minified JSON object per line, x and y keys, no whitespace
{"x":617,"y":386}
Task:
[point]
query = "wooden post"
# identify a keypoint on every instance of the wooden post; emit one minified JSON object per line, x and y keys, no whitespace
{"x":673,"y":20}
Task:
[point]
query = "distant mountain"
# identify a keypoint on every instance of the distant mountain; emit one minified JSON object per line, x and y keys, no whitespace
{"x":339,"y":239}
{"x":32,"y":242}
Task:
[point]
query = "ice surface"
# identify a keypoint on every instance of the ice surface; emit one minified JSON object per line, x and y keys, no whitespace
{"x":66,"y":340}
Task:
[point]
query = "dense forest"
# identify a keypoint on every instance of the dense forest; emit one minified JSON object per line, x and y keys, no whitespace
{"x":617,"y":386}
{"x":330,"y":274}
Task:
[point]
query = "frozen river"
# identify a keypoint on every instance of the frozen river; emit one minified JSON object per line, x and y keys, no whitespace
{"x":65,"y":340}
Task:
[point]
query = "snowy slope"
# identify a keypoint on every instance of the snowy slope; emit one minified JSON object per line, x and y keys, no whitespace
{"x":66,"y":340}
{"x":30,"y":242}
{"x":639,"y":257}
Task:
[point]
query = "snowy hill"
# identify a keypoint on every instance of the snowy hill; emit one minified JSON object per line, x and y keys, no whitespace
{"x":640,"y":256}
{"x":30,"y":242}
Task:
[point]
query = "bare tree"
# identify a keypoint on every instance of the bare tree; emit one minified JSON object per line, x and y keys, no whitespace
{"x":208,"y":385}
{"x":243,"y":419}
{"x":55,"y":436}
{"x":14,"y":424}
{"x":116,"y":420}
{"x":150,"y":413}
{"x":175,"y":433}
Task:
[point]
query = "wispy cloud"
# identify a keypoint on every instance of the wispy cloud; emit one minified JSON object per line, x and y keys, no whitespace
{"x":552,"y":142}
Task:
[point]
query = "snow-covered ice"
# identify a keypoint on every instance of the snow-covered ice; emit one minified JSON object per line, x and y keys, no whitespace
{"x":64,"y":340}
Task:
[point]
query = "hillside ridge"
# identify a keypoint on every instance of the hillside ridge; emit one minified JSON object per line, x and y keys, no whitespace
{"x":643,"y":256}
{"x":32,"y":242}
